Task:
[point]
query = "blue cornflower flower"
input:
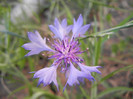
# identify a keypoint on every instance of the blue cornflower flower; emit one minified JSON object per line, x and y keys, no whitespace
{"x":65,"y":52}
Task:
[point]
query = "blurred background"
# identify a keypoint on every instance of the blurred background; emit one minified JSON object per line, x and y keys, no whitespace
{"x":113,"y":52}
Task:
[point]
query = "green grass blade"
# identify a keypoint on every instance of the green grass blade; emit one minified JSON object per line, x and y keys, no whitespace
{"x":105,"y":5}
{"x":40,"y":92}
{"x":16,"y":90}
{"x":84,"y":92}
{"x":126,"y":19}
{"x":13,"y":34}
{"x":45,"y":94}
{"x":115,"y":72}
{"x":65,"y":93}
{"x":100,"y":35}
{"x":68,"y":12}
{"x":111,"y":90}
{"x":127,"y":25}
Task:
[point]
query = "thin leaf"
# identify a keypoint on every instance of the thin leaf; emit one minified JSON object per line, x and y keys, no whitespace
{"x":110,"y":90}
{"x":100,"y":35}
{"x":84,"y":92}
{"x":16,"y":90}
{"x":113,"y":73}
{"x":13,"y":34}
{"x":45,"y":94}
{"x":39,"y":92}
{"x":65,"y":91}
{"x":126,"y":19}
{"x":68,"y":12}
{"x":127,"y":25}
{"x":105,"y":5}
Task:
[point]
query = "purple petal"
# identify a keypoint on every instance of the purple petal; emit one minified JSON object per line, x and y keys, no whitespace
{"x":78,"y":29}
{"x":54,"y":30}
{"x":83,"y":29}
{"x":35,"y":37}
{"x":47,"y":76}
{"x":33,"y":52}
{"x":75,"y":75}
{"x":38,"y":35}
{"x":69,"y":28}
{"x":77,"y":25}
{"x":37,"y":44}
{"x":57,"y":31}
{"x":89,"y":69}
{"x":81,"y":80}
{"x":74,"y":21}
{"x":28,"y":46}
{"x":80,"y":21}
{"x":32,"y":72}
{"x":60,"y":30}
{"x":31,"y":36}
{"x":56,"y":23}
{"x":64,"y":23}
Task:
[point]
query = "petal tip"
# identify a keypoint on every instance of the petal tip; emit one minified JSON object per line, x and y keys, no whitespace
{"x":99,"y":66}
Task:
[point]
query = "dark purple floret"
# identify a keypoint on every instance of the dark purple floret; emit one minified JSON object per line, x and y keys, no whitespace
{"x":67,"y":51}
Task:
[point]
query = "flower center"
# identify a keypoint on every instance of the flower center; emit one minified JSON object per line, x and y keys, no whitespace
{"x":66,"y":51}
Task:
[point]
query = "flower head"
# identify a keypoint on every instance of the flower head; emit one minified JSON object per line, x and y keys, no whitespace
{"x":65,"y":52}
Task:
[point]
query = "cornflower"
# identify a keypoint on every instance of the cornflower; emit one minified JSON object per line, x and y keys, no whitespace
{"x":65,"y":51}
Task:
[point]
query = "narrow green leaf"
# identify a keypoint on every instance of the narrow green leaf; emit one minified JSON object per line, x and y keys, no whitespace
{"x":69,"y":14}
{"x":99,"y":35}
{"x":113,"y":73}
{"x":16,"y":90}
{"x":110,"y":90}
{"x":85,"y":55}
{"x":31,"y":62}
{"x":22,"y":60}
{"x":84,"y":92}
{"x":37,"y":95}
{"x":13,"y":34}
{"x":127,"y":25}
{"x":126,"y":19}
{"x":105,"y":5}
{"x":97,"y":50}
{"x":38,"y":92}
{"x":65,"y":91}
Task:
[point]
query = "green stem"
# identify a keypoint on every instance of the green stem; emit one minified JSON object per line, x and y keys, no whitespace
{"x":25,"y":80}
{"x":97,"y":55}
{"x":98,"y":42}
{"x":84,"y":93}
{"x":114,"y":29}
{"x":65,"y":91}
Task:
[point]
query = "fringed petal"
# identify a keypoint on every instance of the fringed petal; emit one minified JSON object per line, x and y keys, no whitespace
{"x":79,"y":30}
{"x":37,"y":44}
{"x":60,"y":30}
{"x":89,"y":69}
{"x":47,"y":76}
{"x":75,"y":75}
